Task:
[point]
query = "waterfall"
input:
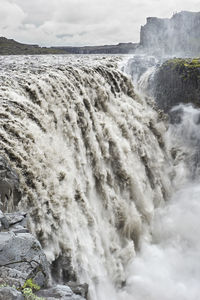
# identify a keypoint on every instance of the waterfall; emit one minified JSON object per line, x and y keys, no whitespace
{"x":168,"y":267}
{"x":93,"y":161}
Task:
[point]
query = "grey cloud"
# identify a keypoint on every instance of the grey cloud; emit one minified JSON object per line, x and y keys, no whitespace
{"x":82,"y":22}
{"x":61,"y":36}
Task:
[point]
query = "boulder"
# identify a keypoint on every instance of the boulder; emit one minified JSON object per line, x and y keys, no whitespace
{"x":21,"y":258}
{"x":79,"y":289}
{"x":62,"y":292}
{"x":16,"y":222}
{"x":9,"y":293}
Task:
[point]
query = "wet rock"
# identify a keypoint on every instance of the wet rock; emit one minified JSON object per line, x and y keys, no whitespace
{"x":4,"y":224}
{"x":10,"y":193}
{"x":21,"y":258}
{"x":62,"y":269}
{"x":79,"y":289}
{"x":9,"y":293}
{"x":177,"y":81}
{"x":15,"y":217}
{"x":17,"y":222}
{"x":62,"y":292}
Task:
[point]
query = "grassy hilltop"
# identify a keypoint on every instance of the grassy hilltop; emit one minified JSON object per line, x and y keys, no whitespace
{"x":11,"y":47}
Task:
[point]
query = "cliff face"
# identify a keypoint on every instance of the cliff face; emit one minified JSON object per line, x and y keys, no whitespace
{"x":178,"y":35}
{"x":177,"y":81}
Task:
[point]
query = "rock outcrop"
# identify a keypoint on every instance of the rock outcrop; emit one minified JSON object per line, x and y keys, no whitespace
{"x":10,"y":193}
{"x":62,"y":292}
{"x":21,"y":258}
{"x":177,"y":81}
{"x":178,"y":35}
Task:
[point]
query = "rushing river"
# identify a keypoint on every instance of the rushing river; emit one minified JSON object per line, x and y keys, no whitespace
{"x":111,"y":188}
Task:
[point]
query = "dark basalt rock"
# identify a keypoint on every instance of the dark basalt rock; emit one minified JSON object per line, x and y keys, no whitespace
{"x":177,"y":81}
{"x":9,"y":186}
{"x":62,"y":270}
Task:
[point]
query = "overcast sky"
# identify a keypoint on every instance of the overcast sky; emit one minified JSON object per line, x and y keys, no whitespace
{"x":83,"y":22}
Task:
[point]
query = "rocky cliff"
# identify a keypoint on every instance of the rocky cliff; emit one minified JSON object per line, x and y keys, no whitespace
{"x":177,"y":81}
{"x":178,"y":35}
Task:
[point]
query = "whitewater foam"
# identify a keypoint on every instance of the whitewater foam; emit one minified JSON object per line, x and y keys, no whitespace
{"x":93,"y":163}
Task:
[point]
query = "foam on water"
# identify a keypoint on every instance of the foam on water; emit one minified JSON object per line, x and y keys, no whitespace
{"x":95,"y":163}
{"x":168,"y":267}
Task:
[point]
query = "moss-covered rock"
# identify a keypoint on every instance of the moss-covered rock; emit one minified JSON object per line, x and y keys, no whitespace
{"x":177,"y":81}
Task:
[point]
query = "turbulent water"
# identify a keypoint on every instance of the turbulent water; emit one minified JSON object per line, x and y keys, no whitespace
{"x":96,"y":165}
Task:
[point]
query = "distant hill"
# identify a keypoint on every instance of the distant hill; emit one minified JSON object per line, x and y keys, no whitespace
{"x":11,"y":47}
{"x":121,"y":48}
{"x":179,"y":35}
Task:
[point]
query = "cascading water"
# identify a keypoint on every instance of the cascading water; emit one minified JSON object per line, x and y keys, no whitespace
{"x":94,"y":164}
{"x":168,"y":268}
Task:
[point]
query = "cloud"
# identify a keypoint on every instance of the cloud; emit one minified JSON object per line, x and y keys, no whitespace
{"x":11,"y":15}
{"x":82,"y":22}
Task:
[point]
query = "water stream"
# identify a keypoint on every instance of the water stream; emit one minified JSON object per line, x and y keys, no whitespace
{"x":98,"y":166}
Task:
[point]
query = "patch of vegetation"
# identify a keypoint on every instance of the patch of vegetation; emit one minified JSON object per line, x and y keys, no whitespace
{"x":30,"y":284}
{"x":27,"y":289}
{"x":29,"y":295}
{"x":183,"y":62}
{"x":185,"y":68}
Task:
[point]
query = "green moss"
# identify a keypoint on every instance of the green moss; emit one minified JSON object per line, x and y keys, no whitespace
{"x":28,"y":294}
{"x":27,"y":289}
{"x":181,"y":62}
{"x":188,"y":68}
{"x":30,"y":284}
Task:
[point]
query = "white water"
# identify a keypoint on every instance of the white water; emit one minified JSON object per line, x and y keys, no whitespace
{"x":168,"y":268}
{"x":95,"y":166}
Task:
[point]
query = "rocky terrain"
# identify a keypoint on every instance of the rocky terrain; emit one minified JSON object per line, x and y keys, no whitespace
{"x":11,"y":47}
{"x":178,"y":35}
{"x":177,"y":81}
{"x":121,"y":48}
{"x":24,"y":270}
